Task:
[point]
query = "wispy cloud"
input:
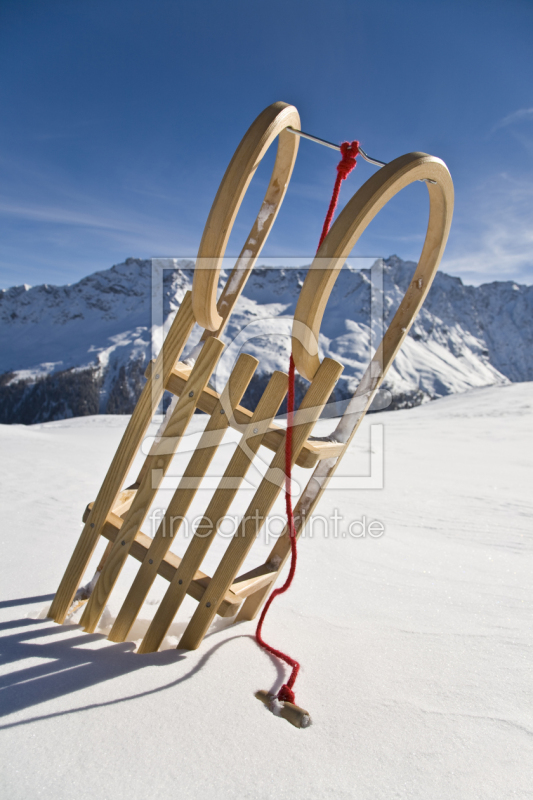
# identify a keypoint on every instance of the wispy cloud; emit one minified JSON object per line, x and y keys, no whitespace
{"x":492,"y":236}
{"x":511,"y":119}
{"x":123,"y":225}
{"x":62,"y":212}
{"x":62,"y":216}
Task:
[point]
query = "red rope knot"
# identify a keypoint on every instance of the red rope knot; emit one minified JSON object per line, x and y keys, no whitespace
{"x":286,"y":694}
{"x":349,"y":152}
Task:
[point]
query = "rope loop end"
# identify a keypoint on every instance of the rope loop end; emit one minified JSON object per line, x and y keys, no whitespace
{"x":286,"y":694}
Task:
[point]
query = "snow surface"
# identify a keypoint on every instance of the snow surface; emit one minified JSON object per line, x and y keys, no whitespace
{"x":415,"y":646}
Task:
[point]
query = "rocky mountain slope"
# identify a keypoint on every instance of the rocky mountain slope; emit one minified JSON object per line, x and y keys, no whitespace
{"x":82,"y":349}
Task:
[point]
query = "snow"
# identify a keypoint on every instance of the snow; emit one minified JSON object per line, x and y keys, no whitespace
{"x":266,"y":211}
{"x":415,"y":645}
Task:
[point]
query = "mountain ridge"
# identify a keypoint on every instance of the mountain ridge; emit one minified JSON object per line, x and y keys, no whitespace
{"x":83,"y":348}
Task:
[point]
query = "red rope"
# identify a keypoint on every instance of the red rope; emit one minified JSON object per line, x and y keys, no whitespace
{"x":344,"y":167}
{"x":286,"y":692}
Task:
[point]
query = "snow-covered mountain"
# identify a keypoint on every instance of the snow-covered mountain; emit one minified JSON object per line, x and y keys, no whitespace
{"x":82,"y":349}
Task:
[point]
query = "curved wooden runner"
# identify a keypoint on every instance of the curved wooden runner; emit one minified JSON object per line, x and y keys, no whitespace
{"x":268,"y":126}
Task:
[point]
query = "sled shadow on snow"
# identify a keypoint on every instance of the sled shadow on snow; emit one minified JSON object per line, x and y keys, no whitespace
{"x":71,"y":665}
{"x":23,"y":601}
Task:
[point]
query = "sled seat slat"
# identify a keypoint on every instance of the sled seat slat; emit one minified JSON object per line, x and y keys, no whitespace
{"x":223,"y":578}
{"x":157,"y":464}
{"x":167,"y":569}
{"x":311,"y":453}
{"x":184,"y":495}
{"x":218,"y":507}
{"x":122,"y":504}
{"x":132,"y":437}
{"x":248,"y":583}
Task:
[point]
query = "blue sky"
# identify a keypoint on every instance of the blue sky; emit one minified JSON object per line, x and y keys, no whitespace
{"x":119,"y":119}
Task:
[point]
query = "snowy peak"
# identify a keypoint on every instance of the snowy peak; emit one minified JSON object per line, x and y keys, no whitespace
{"x":97,"y":333}
{"x":105,"y":295}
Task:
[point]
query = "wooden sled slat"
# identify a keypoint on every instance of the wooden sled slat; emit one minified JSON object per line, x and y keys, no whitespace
{"x":147,"y":404}
{"x":158,"y":465}
{"x":250,"y":582}
{"x":183,"y":496}
{"x":311,"y":452}
{"x":123,"y":502}
{"x":217,"y":509}
{"x":120,"y":507}
{"x":232,"y":560}
{"x":168,"y":566}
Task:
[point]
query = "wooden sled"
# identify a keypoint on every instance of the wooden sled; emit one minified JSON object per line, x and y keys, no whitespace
{"x":118,"y":514}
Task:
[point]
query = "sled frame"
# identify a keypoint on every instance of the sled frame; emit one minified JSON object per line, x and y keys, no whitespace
{"x":118,"y":513}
